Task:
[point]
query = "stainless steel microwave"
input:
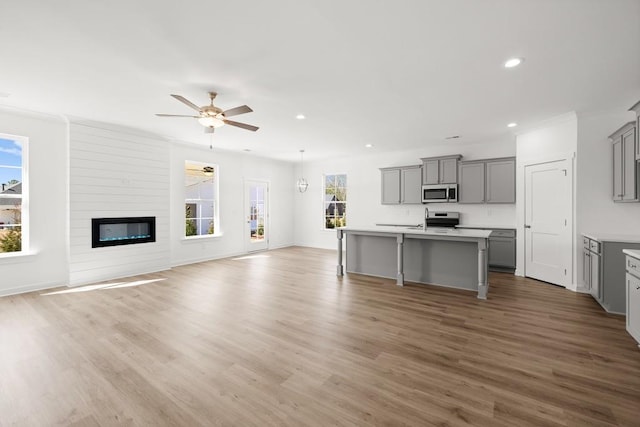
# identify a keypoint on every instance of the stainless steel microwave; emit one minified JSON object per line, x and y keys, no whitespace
{"x":440,"y":193}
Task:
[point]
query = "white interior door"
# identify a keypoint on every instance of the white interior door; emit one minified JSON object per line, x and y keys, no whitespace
{"x":257,"y":215}
{"x":548,"y":242}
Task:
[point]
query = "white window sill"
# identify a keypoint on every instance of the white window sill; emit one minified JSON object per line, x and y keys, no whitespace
{"x":203,"y":237}
{"x":12,"y":257}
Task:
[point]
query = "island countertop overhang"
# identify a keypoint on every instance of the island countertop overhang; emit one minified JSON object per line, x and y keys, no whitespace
{"x":437,"y":233}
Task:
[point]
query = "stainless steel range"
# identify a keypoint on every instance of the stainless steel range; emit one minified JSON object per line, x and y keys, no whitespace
{"x":441,"y":219}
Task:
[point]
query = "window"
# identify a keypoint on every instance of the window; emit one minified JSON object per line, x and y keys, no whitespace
{"x":11,"y":193}
{"x":335,"y":201}
{"x":201,"y":199}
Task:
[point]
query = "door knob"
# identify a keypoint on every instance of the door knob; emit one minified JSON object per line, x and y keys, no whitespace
{"x":527,"y":226}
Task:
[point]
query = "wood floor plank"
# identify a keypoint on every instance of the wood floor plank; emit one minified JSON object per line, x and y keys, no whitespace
{"x":276,"y":338}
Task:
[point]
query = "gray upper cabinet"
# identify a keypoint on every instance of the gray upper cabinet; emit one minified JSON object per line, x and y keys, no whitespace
{"x":617,"y":170}
{"x":440,"y":170}
{"x":390,"y":194}
{"x":401,"y":185}
{"x":471,"y":187}
{"x":488,"y":181}
{"x":431,"y":172}
{"x":411,"y":185}
{"x":449,"y":171}
{"x":629,"y":164}
{"x":625,"y":166}
{"x":636,"y":108}
{"x":501,"y":181}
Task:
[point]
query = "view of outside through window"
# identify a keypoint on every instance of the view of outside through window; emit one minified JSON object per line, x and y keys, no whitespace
{"x":335,"y":201}
{"x":10,"y":195}
{"x":200,"y":199}
{"x":257,"y":215}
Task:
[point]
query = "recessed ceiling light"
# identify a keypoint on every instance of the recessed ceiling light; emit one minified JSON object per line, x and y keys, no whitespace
{"x":512,"y":125}
{"x":368,"y":145}
{"x":300,"y":117}
{"x":513,"y":62}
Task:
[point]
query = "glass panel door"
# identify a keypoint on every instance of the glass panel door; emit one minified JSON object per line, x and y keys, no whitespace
{"x":257,"y":205}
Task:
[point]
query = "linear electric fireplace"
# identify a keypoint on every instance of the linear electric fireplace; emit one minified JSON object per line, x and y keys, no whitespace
{"x":122,"y":231}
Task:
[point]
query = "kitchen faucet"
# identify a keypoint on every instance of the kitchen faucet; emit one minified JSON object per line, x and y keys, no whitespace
{"x":426,"y":215}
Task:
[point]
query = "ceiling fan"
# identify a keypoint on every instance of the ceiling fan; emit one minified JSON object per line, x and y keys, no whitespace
{"x":206,"y":170}
{"x":212,"y":117}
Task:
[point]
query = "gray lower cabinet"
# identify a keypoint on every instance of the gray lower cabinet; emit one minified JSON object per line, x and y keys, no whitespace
{"x":591,"y":267}
{"x":633,"y":294}
{"x":502,"y":248}
{"x":603,"y":272}
{"x":401,"y":185}
{"x":626,"y":179}
{"x":487,"y":181}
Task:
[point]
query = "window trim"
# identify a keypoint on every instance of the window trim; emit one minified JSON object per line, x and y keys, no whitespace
{"x":216,"y":202}
{"x":323,"y":219}
{"x":24,"y":210}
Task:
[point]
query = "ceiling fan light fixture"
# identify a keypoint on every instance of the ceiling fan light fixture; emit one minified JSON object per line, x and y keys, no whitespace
{"x":302,"y":183}
{"x":209,"y":121}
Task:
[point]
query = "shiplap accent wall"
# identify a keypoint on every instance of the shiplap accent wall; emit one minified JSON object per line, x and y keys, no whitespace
{"x":116,"y":172}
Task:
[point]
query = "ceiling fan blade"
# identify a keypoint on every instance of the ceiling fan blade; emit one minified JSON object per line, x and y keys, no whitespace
{"x":236,"y":111}
{"x":176,"y":115}
{"x":241,"y":125}
{"x":186,"y":102}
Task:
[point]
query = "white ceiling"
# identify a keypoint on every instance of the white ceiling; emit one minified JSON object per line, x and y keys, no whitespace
{"x":396,"y":74}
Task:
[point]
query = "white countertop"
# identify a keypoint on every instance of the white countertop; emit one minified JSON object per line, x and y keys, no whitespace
{"x":431,"y":231}
{"x":492,"y":227}
{"x":606,"y":237}
{"x":632,"y":252}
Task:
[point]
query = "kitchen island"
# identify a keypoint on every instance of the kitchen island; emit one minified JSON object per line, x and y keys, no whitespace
{"x":454,"y":258}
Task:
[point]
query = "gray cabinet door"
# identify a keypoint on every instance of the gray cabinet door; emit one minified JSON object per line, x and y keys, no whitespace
{"x":629,"y":165}
{"x":638,"y":137}
{"x":617,"y":170}
{"x":390,"y":192}
{"x":586,"y":269}
{"x":471,"y":185}
{"x":501,"y":181}
{"x":594,"y":281}
{"x":411,"y":185}
{"x":430,"y":174}
{"x":502,"y":252}
{"x":448,"y":171}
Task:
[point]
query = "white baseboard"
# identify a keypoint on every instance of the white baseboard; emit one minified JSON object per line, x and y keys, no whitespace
{"x":222,"y":256}
{"x":29,"y":288}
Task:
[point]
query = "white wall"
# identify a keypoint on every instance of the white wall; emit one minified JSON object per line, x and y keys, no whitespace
{"x":116,"y":172}
{"x":596,"y":211}
{"x":363,"y":192}
{"x":234,"y":169}
{"x":554,"y":139}
{"x":47,"y":265}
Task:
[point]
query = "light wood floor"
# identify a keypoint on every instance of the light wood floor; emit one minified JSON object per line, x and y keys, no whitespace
{"x":278,"y":339}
